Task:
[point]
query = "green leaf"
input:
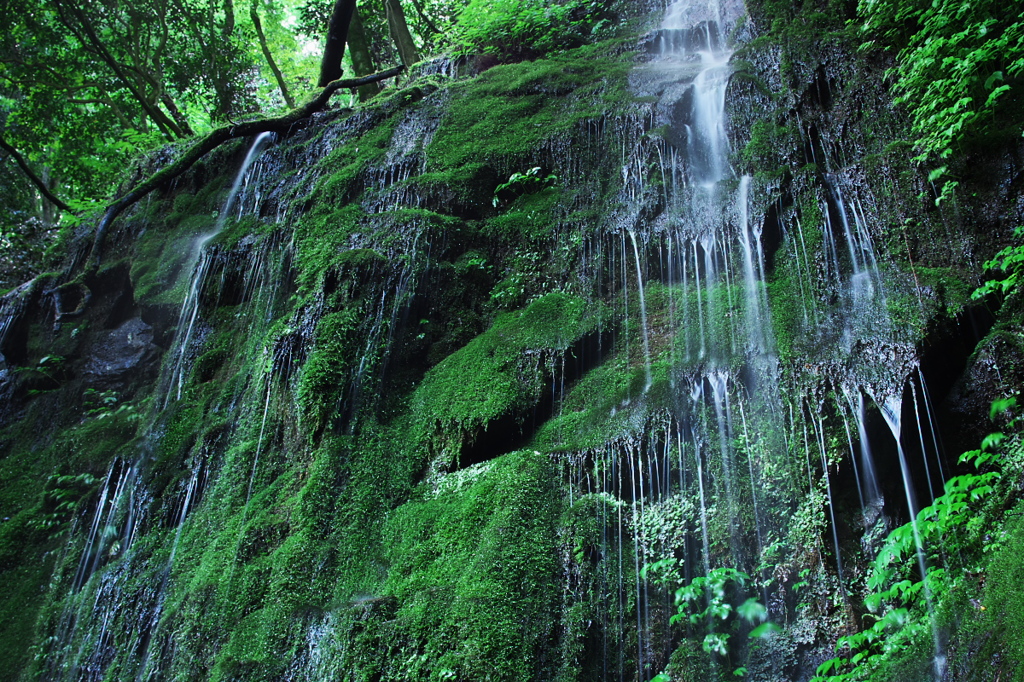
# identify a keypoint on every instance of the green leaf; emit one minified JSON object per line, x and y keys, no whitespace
{"x":829,"y":665}
{"x":992,"y":440}
{"x":1001,"y":405}
{"x":716,"y":643}
{"x":752,"y":611}
{"x":991,"y":80}
{"x":765,"y":629}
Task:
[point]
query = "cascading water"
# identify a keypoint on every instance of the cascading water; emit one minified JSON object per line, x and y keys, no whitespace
{"x":892,"y":410}
{"x":704,"y":444}
{"x":123,"y":500}
{"x":201,"y":259}
{"x":715,"y":270}
{"x":712,"y":258}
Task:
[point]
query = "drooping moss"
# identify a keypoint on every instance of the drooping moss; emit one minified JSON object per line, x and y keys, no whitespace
{"x":473,"y":565}
{"x":323,"y":375}
{"x":598,"y":407}
{"x":501,"y":372}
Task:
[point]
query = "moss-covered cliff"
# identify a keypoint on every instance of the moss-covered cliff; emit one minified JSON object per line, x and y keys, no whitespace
{"x":473,"y":378}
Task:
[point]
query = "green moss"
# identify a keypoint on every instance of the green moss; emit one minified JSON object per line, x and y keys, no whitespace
{"x":508,"y":112}
{"x":216,"y":359}
{"x":768,"y":142}
{"x":951,"y":287}
{"x":35,"y":529}
{"x":474,"y":568}
{"x":321,"y":238}
{"x":469,"y":182}
{"x":23,"y":596}
{"x":792,"y":310}
{"x":529,"y":217}
{"x":166,"y":247}
{"x":324,"y":375}
{"x":326,"y":238}
{"x":502,"y":371}
{"x":906,"y":313}
{"x":1004,"y":600}
{"x":162,"y":266}
{"x":234,"y":230}
{"x":596,"y":408}
{"x":617,"y":399}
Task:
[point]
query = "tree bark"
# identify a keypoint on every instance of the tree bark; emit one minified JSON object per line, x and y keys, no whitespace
{"x":33,"y":178}
{"x":399,"y":30}
{"x":362,"y":60}
{"x":229,"y":18}
{"x":337,"y":36}
{"x":280,"y":124}
{"x":258,"y":25}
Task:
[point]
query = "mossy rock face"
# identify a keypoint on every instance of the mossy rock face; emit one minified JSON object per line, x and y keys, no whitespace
{"x":473,"y":563}
{"x":507,"y":113}
{"x":314,"y":506}
{"x":1004,"y":603}
{"x":501,"y":372}
{"x":324,"y":375}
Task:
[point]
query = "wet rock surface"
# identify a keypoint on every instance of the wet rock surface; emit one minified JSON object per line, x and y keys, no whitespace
{"x":759,"y":307}
{"x":121,"y":358}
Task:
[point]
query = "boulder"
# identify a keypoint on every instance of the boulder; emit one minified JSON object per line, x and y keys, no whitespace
{"x":122,"y":357}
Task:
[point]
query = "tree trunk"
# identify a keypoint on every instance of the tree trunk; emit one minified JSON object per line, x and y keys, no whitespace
{"x":229,"y":19}
{"x":258,"y":25}
{"x":334,"y":46}
{"x":399,"y":31}
{"x":362,"y":60}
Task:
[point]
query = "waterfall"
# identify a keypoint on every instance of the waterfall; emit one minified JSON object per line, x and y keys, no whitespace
{"x":121,"y":507}
{"x":891,"y":410}
{"x":595,"y":428}
{"x":201,"y":260}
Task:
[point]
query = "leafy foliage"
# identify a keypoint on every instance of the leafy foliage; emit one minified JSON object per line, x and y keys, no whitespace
{"x":953,"y":530}
{"x":714,"y":601}
{"x":519,"y":28}
{"x":523,"y":183}
{"x":1009,"y":262}
{"x":85,"y":88}
{"x":23,"y":245}
{"x":959,"y":69}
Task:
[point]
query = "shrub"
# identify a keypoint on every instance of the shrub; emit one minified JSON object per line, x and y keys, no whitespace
{"x":527,"y":28}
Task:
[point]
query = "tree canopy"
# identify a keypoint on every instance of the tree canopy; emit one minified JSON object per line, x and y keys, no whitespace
{"x":88,"y":86}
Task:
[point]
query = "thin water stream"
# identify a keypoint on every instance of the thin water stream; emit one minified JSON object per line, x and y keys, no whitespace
{"x":202,"y":260}
{"x":123,"y":501}
{"x":891,"y":410}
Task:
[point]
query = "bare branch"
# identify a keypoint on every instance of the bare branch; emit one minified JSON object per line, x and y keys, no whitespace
{"x":35,"y":179}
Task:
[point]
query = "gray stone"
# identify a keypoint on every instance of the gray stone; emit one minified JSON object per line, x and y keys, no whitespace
{"x":122,"y":356}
